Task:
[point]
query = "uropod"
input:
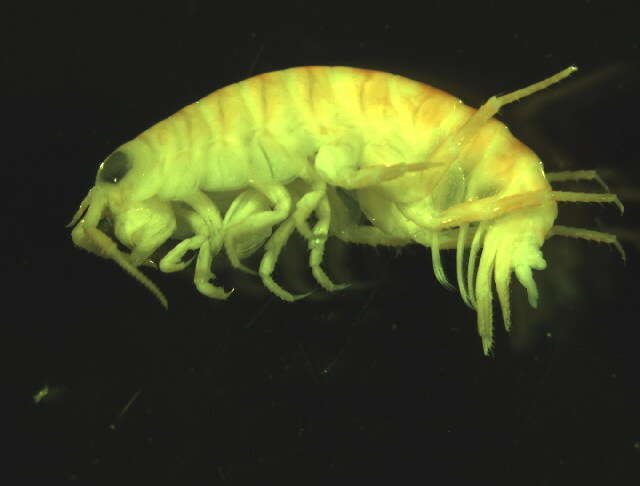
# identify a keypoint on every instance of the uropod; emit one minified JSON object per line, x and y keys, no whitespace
{"x":298,"y":149}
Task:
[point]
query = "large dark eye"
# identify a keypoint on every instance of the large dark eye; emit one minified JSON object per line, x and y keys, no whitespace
{"x":114,"y":168}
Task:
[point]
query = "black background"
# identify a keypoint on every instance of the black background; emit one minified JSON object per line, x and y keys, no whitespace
{"x":383,"y":382}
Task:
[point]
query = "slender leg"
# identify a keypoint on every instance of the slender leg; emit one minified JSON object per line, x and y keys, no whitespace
{"x":203,"y":274}
{"x":259,"y":222}
{"x":242,"y":239}
{"x":174,"y":261}
{"x":590,"y":235}
{"x":493,"y":105}
{"x":210,"y":227}
{"x":576,"y":175}
{"x":306,"y":205}
{"x":376,"y":174}
{"x":272,"y":248}
{"x":317,"y":244}
{"x":204,"y":206}
{"x":493,"y":207}
{"x":335,"y":164}
{"x":587,"y":197}
{"x":479,"y":210}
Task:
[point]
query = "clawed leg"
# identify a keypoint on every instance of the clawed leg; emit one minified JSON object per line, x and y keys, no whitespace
{"x":272,"y":250}
{"x":242,"y":238}
{"x":582,"y":233}
{"x":174,"y":260}
{"x":582,"y":175}
{"x":587,"y":197}
{"x":207,"y":227}
{"x":590,"y":235}
{"x":317,"y":244}
{"x":306,"y":205}
{"x":258,"y":220}
{"x":258,"y":223}
{"x":316,"y":200}
{"x":576,"y":175}
{"x":203,"y":274}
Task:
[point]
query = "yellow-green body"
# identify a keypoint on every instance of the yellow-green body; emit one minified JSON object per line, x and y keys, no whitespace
{"x":422,"y":166}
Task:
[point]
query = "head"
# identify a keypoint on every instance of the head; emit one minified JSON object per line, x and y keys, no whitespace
{"x":124,"y":194}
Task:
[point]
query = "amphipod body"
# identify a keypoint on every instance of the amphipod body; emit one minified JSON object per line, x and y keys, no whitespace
{"x":247,"y":165}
